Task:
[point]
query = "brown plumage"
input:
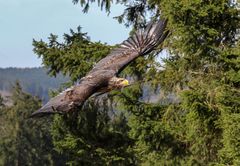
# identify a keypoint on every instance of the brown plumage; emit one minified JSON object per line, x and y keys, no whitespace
{"x":103,"y":75}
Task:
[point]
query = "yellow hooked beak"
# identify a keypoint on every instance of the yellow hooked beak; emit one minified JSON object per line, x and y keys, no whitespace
{"x":125,"y":82}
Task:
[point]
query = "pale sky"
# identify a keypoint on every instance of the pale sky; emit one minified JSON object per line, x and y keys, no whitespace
{"x":23,"y":20}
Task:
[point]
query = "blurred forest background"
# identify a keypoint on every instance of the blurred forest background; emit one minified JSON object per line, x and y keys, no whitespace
{"x":34,"y":81}
{"x":195,"y":121}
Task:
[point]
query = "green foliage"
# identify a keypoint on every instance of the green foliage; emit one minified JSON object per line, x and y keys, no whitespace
{"x":104,"y":4}
{"x":24,"y":141}
{"x":155,"y":142}
{"x":74,"y":57}
{"x":1,"y":101}
{"x":90,"y":137}
{"x":199,"y":125}
{"x":134,"y":13}
{"x":204,"y":71}
{"x":194,"y":122}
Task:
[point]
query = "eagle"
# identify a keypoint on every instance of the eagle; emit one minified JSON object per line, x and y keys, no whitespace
{"x":104,"y":75}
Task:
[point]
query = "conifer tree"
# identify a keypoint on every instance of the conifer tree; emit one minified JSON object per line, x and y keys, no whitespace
{"x":24,"y":141}
{"x":88,"y":136}
{"x":197,"y":121}
{"x":1,"y":101}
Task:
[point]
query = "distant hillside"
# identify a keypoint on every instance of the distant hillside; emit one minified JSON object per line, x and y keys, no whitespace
{"x":33,"y":80}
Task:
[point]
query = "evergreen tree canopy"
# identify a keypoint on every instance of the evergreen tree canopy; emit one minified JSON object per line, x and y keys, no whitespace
{"x":198,"y":126}
{"x":86,"y":137}
{"x":25,"y":141}
{"x":1,"y":102}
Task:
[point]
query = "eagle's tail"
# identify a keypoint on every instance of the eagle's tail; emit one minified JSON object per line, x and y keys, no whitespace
{"x":55,"y":105}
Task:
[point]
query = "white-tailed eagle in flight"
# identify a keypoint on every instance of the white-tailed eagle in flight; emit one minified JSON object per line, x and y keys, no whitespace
{"x":104,"y":74}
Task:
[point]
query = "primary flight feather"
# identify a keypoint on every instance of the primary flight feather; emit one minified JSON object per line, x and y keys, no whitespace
{"x":103,"y":76}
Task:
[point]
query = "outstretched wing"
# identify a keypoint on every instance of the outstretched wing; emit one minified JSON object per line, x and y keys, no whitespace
{"x":141,"y":43}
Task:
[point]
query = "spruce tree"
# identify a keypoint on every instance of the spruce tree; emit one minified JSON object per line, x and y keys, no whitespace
{"x":196,"y":122}
{"x":1,"y":101}
{"x":25,"y":141}
{"x":89,"y":136}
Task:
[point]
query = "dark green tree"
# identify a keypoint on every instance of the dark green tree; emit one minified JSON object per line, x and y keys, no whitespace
{"x":202,"y":72}
{"x":91,"y":135}
{"x":2,"y":126}
{"x":1,"y":101}
{"x":25,"y":141}
{"x":196,"y":122}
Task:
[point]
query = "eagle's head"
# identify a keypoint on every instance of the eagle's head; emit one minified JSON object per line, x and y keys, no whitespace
{"x":118,"y":83}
